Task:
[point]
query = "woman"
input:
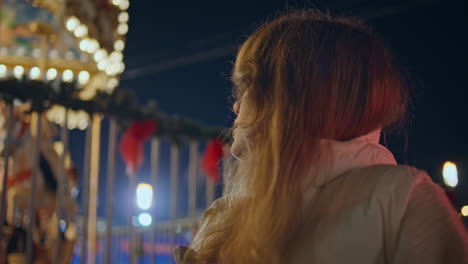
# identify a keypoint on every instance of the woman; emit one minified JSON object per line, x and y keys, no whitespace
{"x":311,"y":183}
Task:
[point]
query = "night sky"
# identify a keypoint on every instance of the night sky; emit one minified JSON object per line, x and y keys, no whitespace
{"x":180,"y":53}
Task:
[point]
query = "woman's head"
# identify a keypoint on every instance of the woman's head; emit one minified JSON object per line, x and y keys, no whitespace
{"x":316,"y":76}
{"x":301,"y":78}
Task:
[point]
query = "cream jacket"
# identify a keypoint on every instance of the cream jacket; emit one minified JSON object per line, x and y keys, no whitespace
{"x":371,"y":211}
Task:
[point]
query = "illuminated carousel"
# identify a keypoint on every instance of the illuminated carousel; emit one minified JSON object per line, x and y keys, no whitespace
{"x":57,"y":43}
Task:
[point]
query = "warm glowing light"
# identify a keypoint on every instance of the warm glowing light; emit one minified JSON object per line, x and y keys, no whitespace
{"x":145,"y":219}
{"x":124,"y":4}
{"x":116,"y":56}
{"x":83,"y":77}
{"x":93,"y":45}
{"x":84,"y":44}
{"x":72,"y":23}
{"x":3,"y":71}
{"x":122,"y":29}
{"x":18,"y":72}
{"x":51,"y":74}
{"x":116,"y":2}
{"x":81,"y":31}
{"x":35,"y":73}
{"x":111,"y":84}
{"x":464,"y":210}
{"x":100,"y":54}
{"x":450,"y":174}
{"x":102,"y":64}
{"x":119,"y":45}
{"x":123,"y":17}
{"x":67,"y":75}
{"x":144,"y":195}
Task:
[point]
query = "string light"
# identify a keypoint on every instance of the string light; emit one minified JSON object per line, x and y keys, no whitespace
{"x":81,"y":31}
{"x":123,"y":17}
{"x":116,"y":2}
{"x":119,"y":45}
{"x":3,"y":71}
{"x":51,"y":74}
{"x":464,"y":210}
{"x":111,"y":84}
{"x":83,"y":77}
{"x":18,"y":72}
{"x":102,"y":64}
{"x":72,"y":23}
{"x":93,"y":45}
{"x":124,"y":4}
{"x":116,"y":56}
{"x":67,"y":76}
{"x":84,"y":44}
{"x":34,"y":73}
{"x":122,"y":29}
{"x":100,"y":54}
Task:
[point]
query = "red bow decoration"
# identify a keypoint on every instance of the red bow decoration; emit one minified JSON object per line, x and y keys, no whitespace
{"x":131,"y":144}
{"x":213,"y":155}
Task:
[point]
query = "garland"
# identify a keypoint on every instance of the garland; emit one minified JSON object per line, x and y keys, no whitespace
{"x":121,"y":105}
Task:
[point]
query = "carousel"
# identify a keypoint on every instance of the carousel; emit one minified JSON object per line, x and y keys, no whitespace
{"x":58,"y":44}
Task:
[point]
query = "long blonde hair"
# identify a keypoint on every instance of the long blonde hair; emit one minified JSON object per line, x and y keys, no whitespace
{"x":308,"y":76}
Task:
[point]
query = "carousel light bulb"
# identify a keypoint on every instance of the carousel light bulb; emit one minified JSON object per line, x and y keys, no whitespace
{"x":144,"y":195}
{"x":116,"y":56}
{"x":3,"y":71}
{"x":102,"y":64}
{"x":122,"y":29}
{"x":121,"y":67}
{"x":119,"y":45}
{"x":116,"y":2}
{"x":93,"y":46}
{"x":83,"y":77}
{"x":123,"y":17}
{"x":51,"y":74}
{"x":124,"y":4}
{"x":81,"y":31}
{"x":36,"y":53}
{"x":100,"y":54}
{"x":72,"y":23}
{"x":83,"y":124}
{"x":67,"y":75}
{"x":111,"y":84}
{"x":18,"y":72}
{"x":84,"y":44}
{"x":145,"y":219}
{"x":35,"y":73}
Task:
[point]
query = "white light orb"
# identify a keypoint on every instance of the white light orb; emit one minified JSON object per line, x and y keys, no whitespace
{"x":464,"y":211}
{"x":450,"y":174}
{"x":83,"y":77}
{"x":119,"y":45}
{"x":67,"y":76}
{"x":3,"y":71}
{"x":100,"y":54}
{"x":123,"y":17}
{"x":51,"y":74}
{"x":35,"y":73}
{"x":145,"y":219}
{"x":102,"y":64}
{"x":81,"y":31}
{"x":18,"y":72}
{"x":93,"y":46}
{"x":84,"y":44}
{"x":122,"y":29}
{"x":144,"y":195}
{"x":116,"y":56}
{"x":72,"y":23}
{"x":111,"y":84}
{"x":124,"y":4}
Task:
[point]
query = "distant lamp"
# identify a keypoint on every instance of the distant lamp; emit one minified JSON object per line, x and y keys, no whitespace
{"x":145,"y":219}
{"x":450,"y":174}
{"x":144,"y":195}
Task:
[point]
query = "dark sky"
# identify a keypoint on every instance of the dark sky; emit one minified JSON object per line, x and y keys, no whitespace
{"x":180,"y":52}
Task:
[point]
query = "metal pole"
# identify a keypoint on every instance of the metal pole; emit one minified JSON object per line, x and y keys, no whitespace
{"x":110,"y":187}
{"x":193,"y":168}
{"x":174,"y":189}
{"x":6,"y":154}
{"x":132,"y":248}
{"x":93,"y":186}
{"x":154,"y":176}
{"x":36,"y":124}
{"x":61,"y":186}
{"x":84,"y":197}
